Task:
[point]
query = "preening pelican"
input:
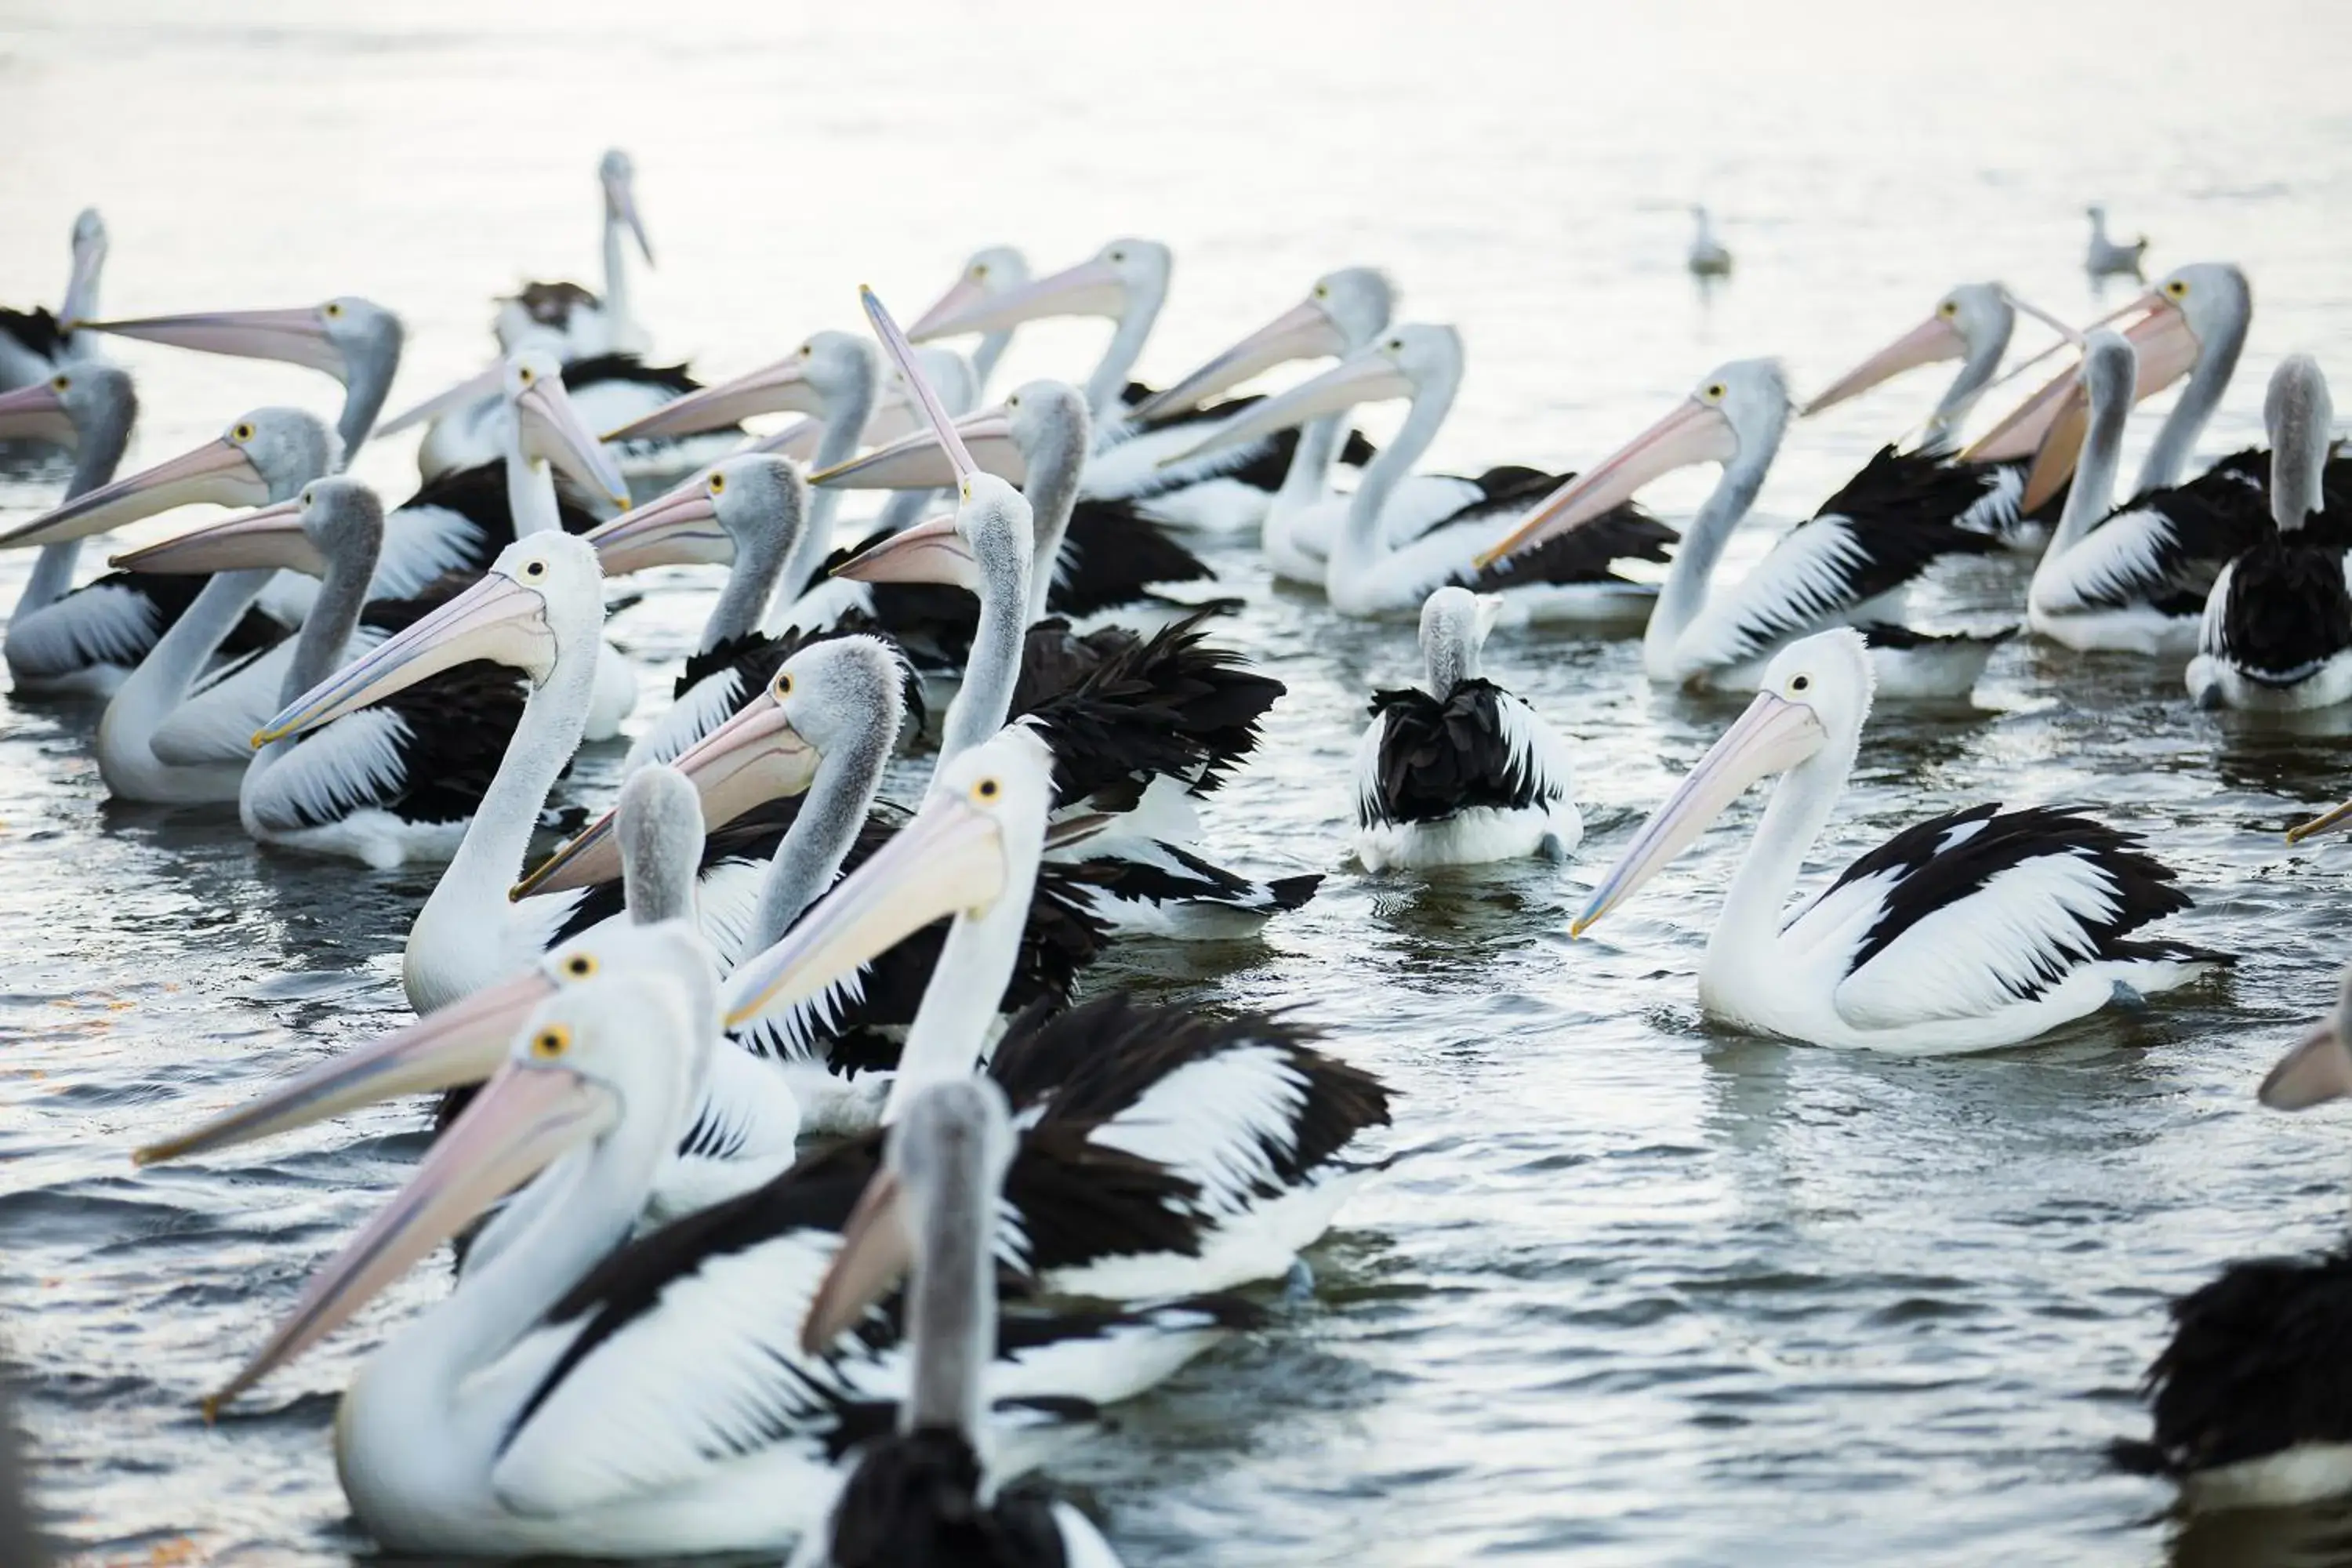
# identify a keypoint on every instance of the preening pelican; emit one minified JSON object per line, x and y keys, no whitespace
{"x":36,"y":344}
{"x":1576,"y":582}
{"x":1852,"y":563}
{"x":2277,"y":630}
{"x":923,"y":1493}
{"x":1460,"y":771}
{"x":1977,"y":929}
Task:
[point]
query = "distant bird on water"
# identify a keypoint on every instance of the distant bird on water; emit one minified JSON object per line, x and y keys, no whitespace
{"x":2105,"y":257}
{"x":1709,"y":256}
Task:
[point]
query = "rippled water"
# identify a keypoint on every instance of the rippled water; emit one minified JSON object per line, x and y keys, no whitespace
{"x":1641,"y":1291}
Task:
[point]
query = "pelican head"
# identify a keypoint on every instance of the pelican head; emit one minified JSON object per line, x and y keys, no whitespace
{"x":265,"y":455}
{"x":2300,"y":415}
{"x":618,"y":178}
{"x":815,"y":378}
{"x":89,"y":245}
{"x":335,"y":522}
{"x":1814,"y":698}
{"x":989,"y":272}
{"x":596,"y":1058}
{"x":1737,"y":415}
{"x":1037,"y":418}
{"x":544,"y":593}
{"x":2319,"y":1067}
{"x":1409,"y":361}
{"x":742,"y":508}
{"x":347,"y":337}
{"x":977,"y":838}
{"x":1972,"y":322}
{"x":85,"y":406}
{"x":833,"y":696}
{"x":993,"y":527}
{"x":1343,"y":312}
{"x":1455,"y":625}
{"x":1123,"y":279}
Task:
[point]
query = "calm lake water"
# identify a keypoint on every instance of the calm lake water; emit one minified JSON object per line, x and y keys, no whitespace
{"x":1641,"y":1291}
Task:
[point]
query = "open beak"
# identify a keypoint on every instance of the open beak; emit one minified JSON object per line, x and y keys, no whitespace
{"x":754,"y":758}
{"x":621,"y":201}
{"x":680,"y":529}
{"x":36,"y":413}
{"x":918,"y":461}
{"x":480,"y":387}
{"x":297,"y":336}
{"x":218,"y":471}
{"x":1773,"y":736}
{"x":270,"y":537}
{"x":461,"y":1043}
{"x":498,"y":619}
{"x":948,"y":859}
{"x":1371,"y":376}
{"x":2318,"y":1069}
{"x":1932,"y":340}
{"x":2319,"y":824}
{"x":930,"y":551}
{"x":1304,"y":331}
{"x":525,"y":1119}
{"x":1694,"y":432}
{"x":876,"y":1253}
{"x":1090,"y":289}
{"x":553,"y":432}
{"x":779,"y":388}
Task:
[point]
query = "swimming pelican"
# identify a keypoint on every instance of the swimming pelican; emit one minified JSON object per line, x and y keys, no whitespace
{"x":2105,"y":257}
{"x":2277,"y":631}
{"x":36,"y":344}
{"x":924,"y":1492}
{"x":1575,"y":582}
{"x":571,"y":1399}
{"x":1852,"y":563}
{"x":1976,"y":930}
{"x":573,"y":322}
{"x":1707,"y":257}
{"x":1460,"y":773}
{"x":2247,"y":1406}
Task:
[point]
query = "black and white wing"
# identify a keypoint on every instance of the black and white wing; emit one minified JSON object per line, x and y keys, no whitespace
{"x":1423,"y":760}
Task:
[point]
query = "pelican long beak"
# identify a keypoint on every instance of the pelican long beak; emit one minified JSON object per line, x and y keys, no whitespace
{"x":2318,"y":1069}
{"x":271,"y":537}
{"x":621,"y":201}
{"x":2319,"y":824}
{"x":918,"y":462}
{"x":480,"y":387}
{"x":1773,"y":736}
{"x":296,"y":336}
{"x":930,"y":551}
{"x":1306,"y":330}
{"x":36,"y":412}
{"x":1371,"y":375}
{"x":553,"y":432}
{"x":779,"y":388}
{"x":876,"y":1253}
{"x":754,"y":758}
{"x":218,"y":471}
{"x":1694,"y":432}
{"x":964,"y":295}
{"x":948,"y":861}
{"x":460,"y":1043}
{"x":498,"y":619}
{"x":1090,"y":289}
{"x":2166,"y":350}
{"x":525,"y":1119}
{"x":1936,"y":338}
{"x":680,"y":529}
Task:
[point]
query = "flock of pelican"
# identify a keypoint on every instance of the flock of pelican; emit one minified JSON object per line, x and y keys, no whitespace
{"x":805,"y":1194}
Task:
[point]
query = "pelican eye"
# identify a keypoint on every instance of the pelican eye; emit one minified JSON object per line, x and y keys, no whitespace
{"x":1948,"y":307}
{"x":1396,"y":345}
{"x":1118,"y":256}
{"x":1322,"y":290}
{"x":2177,"y":288}
{"x":978,"y":270}
{"x":1714,"y":392}
{"x":986,"y":790}
{"x":717,"y":483}
{"x":551,"y":1042}
{"x":580,"y":966}
{"x":808,"y":351}
{"x":534,"y":568}
{"x":1802,"y":683}
{"x":334,"y":308}
{"x":967,"y":490}
{"x":309,"y":497}
{"x":1013,"y":401}
{"x":523,"y":373}
{"x":61,"y":383}
{"x":244,"y":431}
{"x":783,"y":683}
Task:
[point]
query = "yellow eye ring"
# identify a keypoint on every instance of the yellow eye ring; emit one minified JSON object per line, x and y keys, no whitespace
{"x":1715,"y":391}
{"x":807,"y":350}
{"x":1322,"y":290}
{"x":2177,"y":289}
{"x":978,"y":270}
{"x":580,"y":966}
{"x":61,"y":383}
{"x":783,"y":683}
{"x":551,"y":1042}
{"x":244,"y":432}
{"x":523,"y":373}
{"x":987,"y":789}
{"x":534,"y":568}
{"x":334,"y":309}
{"x":1948,"y":307}
{"x":1801,"y":683}
{"x":717,"y":483}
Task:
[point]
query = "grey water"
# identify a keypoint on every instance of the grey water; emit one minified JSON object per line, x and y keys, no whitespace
{"x":1638,"y":1291}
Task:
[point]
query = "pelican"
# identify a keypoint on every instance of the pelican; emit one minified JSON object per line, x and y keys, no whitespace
{"x":569,"y":1399}
{"x":987,"y":271}
{"x":1707,"y":257}
{"x":1367,"y":575}
{"x":573,"y":322}
{"x":1257,"y":1123}
{"x":1852,"y":563}
{"x":924,"y":1492}
{"x":2277,"y":631}
{"x":36,"y":344}
{"x":1976,"y":930}
{"x":1461,"y":773}
{"x":2247,"y":1411}
{"x":2105,"y":257}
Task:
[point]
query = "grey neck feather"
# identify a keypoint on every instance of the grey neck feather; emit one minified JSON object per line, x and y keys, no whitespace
{"x":1686,"y":590}
{"x":1135,"y":324}
{"x":844,"y":420}
{"x":1056,"y":464}
{"x":326,"y":633}
{"x":98,"y":452}
{"x":1451,"y":657}
{"x":2299,"y":439}
{"x":2217,"y":362}
{"x":759,"y":563}
{"x":659,"y":855}
{"x":951,"y":1306}
{"x":980,"y":706}
{"x":370,"y":384}
{"x":821,"y":836}
{"x":1975,"y":374}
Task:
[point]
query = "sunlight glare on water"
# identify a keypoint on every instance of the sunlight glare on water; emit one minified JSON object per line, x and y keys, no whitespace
{"x":1637,"y":1290}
